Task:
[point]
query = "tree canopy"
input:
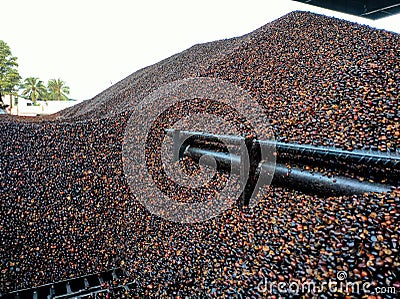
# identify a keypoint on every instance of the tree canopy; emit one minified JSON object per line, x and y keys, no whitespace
{"x":9,"y":76}
{"x":33,"y":88}
{"x":57,"y":90}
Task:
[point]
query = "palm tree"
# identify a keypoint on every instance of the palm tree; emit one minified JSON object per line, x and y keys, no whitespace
{"x":57,"y":90}
{"x":33,"y":88}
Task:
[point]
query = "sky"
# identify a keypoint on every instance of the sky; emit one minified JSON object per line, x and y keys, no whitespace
{"x":92,"y":44}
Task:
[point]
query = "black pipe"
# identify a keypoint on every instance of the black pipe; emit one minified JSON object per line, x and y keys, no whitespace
{"x":313,"y":182}
{"x":356,"y":157}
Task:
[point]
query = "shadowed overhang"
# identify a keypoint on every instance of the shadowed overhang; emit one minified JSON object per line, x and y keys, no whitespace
{"x":371,"y":9}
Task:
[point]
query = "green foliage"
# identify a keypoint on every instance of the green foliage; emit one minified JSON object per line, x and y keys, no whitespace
{"x":57,"y":90}
{"x":9,"y":76}
{"x":33,"y":88}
